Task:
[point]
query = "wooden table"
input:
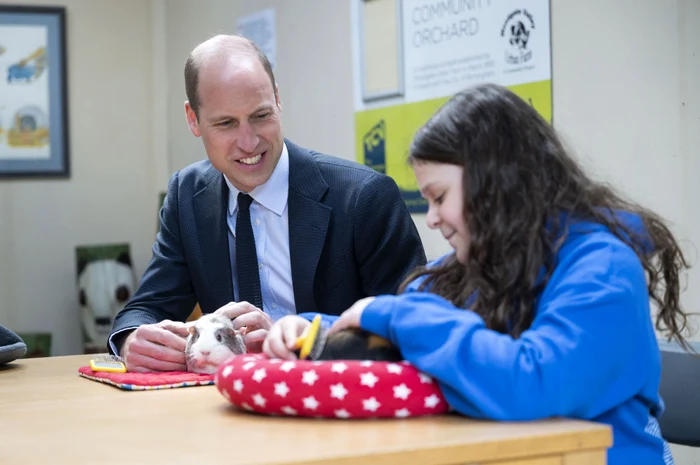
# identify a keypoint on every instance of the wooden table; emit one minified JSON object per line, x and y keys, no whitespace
{"x":49,"y":414}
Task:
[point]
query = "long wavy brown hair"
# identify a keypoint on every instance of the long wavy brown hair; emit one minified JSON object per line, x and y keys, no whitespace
{"x":518,"y":183}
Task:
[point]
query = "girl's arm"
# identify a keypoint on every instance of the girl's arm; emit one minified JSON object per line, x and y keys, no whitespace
{"x":590,"y":347}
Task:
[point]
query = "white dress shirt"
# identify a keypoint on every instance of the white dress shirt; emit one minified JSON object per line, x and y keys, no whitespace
{"x":268,"y":216}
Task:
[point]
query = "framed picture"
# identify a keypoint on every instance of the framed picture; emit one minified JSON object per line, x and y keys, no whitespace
{"x":33,"y":85}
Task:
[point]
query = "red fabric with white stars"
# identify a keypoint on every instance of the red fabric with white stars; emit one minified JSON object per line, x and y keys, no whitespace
{"x":329,"y":389}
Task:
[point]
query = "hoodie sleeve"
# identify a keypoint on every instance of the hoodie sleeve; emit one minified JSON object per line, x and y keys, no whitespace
{"x":576,"y":359}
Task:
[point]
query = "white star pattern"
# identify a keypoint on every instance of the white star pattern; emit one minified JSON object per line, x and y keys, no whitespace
{"x":394,"y":368}
{"x":288,"y":410}
{"x":287,"y":366}
{"x":339,"y":367}
{"x":401,"y":391}
{"x":281,"y":389}
{"x":310,"y":402}
{"x":431,"y":401}
{"x":309,"y":377}
{"x":368,"y":379}
{"x":259,"y":400}
{"x":370,"y":404}
{"x":238,"y":385}
{"x":259,"y":374}
{"x":342,"y":413}
{"x":338,"y":391}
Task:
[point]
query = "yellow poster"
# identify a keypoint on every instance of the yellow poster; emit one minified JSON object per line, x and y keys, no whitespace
{"x":383,"y":135}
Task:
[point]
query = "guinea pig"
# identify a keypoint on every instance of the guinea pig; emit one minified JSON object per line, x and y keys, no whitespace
{"x":212,"y":341}
{"x":358,"y":344}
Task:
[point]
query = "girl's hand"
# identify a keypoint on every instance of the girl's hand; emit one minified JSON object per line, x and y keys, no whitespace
{"x":283,"y":335}
{"x":351,"y":317}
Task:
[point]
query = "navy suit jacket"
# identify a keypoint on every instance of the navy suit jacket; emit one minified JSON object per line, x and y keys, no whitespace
{"x":350,"y":236}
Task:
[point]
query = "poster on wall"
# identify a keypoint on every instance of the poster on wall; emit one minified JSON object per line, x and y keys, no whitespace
{"x":33,"y":106}
{"x":260,"y":28}
{"x":411,"y":56}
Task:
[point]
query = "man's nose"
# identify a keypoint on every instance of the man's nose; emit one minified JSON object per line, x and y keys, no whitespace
{"x":247,"y":139}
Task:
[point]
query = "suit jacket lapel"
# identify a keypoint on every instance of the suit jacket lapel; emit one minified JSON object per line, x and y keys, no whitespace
{"x":211,"y":208}
{"x":308,"y":224}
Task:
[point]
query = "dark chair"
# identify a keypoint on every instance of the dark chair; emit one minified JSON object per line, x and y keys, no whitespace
{"x":680,"y":391}
{"x":12,"y":346}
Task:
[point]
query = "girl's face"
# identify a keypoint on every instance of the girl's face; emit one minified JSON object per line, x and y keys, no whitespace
{"x":441,"y":185}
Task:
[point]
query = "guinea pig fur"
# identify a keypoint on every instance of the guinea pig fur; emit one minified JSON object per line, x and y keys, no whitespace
{"x":212,"y":341}
{"x":359,"y":344}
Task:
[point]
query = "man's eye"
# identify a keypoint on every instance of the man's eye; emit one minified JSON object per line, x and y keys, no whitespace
{"x":440,"y":199}
{"x":225,"y":123}
{"x":262,"y":116}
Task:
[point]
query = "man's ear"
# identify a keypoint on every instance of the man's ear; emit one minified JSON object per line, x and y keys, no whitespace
{"x":192,"y":120}
{"x":277,"y":97}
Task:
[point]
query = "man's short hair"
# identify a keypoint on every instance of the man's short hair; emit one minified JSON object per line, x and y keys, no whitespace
{"x":193,"y":63}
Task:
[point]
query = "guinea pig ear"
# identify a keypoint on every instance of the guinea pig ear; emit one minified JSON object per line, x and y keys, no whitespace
{"x":191,"y":330}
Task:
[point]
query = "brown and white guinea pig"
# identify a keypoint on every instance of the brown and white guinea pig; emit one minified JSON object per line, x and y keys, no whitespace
{"x":212,"y":341}
{"x":359,"y":344}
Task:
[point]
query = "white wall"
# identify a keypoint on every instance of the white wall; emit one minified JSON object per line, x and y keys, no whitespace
{"x":111,"y":195}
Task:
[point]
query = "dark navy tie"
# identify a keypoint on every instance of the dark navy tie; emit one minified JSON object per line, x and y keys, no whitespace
{"x":246,"y":257}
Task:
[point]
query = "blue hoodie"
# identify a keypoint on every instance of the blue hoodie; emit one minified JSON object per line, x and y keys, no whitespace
{"x":591,"y":352}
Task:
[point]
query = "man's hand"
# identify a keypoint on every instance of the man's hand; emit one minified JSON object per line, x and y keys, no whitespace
{"x":255,"y":322}
{"x":283,"y":335}
{"x":156,"y":347}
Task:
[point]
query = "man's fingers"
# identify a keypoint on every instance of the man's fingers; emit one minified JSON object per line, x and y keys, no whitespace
{"x":256,"y":319}
{"x":165,"y":337}
{"x":140,"y":363}
{"x":254,"y":340}
{"x":157,"y":352}
{"x":255,"y":336}
{"x":175,"y":327}
{"x":235,"y":309}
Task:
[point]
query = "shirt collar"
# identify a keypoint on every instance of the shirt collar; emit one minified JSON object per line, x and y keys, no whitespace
{"x":272,"y":194}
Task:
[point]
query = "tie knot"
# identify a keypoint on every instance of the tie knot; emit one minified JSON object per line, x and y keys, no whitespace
{"x":244,"y":200}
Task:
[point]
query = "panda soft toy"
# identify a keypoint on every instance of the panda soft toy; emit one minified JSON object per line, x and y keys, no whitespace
{"x":104,"y":287}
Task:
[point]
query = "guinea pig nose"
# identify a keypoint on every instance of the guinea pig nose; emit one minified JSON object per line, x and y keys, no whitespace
{"x":205,"y":352}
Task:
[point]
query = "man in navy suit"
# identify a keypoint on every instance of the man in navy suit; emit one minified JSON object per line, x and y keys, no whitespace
{"x":327,"y":231}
